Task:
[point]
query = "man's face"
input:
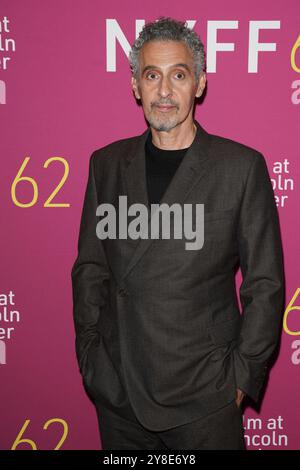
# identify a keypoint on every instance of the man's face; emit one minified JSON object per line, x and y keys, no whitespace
{"x":166,"y":77}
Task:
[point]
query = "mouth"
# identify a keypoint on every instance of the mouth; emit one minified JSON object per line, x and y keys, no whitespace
{"x":164,"y":108}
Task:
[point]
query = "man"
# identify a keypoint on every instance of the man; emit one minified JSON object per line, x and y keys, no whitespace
{"x":164,"y":352}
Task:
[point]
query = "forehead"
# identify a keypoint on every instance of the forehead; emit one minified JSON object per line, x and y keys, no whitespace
{"x":165,"y":53}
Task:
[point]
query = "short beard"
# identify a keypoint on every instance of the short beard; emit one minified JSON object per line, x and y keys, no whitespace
{"x":162,"y":126}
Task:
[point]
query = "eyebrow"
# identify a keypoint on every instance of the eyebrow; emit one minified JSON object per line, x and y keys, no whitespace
{"x":148,"y":67}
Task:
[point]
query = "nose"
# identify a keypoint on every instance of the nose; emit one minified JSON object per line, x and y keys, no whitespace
{"x":165,"y":88}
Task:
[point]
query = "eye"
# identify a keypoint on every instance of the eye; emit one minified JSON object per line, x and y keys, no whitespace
{"x":180,"y":73}
{"x":149,"y":74}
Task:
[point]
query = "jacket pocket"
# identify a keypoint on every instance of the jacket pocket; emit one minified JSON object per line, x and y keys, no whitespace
{"x":217,"y":215}
{"x":218,"y":225}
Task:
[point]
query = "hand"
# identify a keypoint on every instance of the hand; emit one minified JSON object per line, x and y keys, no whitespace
{"x":239,"y":397}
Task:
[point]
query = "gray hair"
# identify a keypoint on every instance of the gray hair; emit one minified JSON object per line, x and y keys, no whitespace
{"x":168,"y":29}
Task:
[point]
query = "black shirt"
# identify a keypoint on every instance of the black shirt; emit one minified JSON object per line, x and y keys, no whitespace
{"x":161,"y":166}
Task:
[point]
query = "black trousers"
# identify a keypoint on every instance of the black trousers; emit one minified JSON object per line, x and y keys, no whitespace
{"x":221,"y":430}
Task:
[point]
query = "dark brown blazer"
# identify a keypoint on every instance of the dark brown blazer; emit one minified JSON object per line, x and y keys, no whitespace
{"x":158,"y":327}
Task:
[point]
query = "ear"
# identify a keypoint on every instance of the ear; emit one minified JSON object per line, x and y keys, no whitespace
{"x":201,"y":84}
{"x":135,"y":88}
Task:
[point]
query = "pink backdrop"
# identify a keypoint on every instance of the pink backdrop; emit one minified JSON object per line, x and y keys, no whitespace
{"x":61,"y":96}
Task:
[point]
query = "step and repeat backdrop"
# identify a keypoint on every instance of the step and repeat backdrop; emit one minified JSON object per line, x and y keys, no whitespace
{"x":64,"y":92}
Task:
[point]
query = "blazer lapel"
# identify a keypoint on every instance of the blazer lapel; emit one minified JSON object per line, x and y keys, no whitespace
{"x":189,"y":172}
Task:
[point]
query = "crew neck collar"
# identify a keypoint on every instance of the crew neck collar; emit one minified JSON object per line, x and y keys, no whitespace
{"x":156,"y":150}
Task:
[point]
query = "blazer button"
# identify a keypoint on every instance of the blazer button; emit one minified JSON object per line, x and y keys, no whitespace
{"x":122,"y":292}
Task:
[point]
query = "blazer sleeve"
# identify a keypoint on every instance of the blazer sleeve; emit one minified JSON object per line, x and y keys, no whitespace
{"x":262,"y":289}
{"x":90,"y":273}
